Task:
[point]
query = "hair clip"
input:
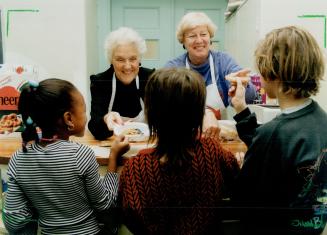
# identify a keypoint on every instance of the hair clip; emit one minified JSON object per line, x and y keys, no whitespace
{"x":33,"y":84}
{"x":29,"y":121}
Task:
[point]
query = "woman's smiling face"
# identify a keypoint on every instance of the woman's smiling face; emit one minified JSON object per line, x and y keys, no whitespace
{"x":197,"y":43}
{"x":126,"y":60}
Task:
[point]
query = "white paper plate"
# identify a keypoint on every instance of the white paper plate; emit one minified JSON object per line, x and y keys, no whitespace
{"x":227,"y":123}
{"x":227,"y":130}
{"x":133,"y":131}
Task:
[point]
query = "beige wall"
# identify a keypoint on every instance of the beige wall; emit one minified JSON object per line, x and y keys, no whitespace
{"x":60,"y":38}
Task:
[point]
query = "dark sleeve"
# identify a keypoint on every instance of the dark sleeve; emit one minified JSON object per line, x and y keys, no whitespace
{"x":248,"y":184}
{"x":100,"y":96}
{"x":246,"y":125}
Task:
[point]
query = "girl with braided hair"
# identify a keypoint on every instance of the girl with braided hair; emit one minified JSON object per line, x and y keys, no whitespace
{"x":52,"y":178}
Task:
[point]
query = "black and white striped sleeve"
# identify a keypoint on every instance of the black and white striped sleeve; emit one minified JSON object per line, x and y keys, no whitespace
{"x":17,"y":211}
{"x":101,"y":192}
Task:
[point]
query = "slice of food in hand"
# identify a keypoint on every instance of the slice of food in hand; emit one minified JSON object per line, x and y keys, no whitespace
{"x":233,"y":80}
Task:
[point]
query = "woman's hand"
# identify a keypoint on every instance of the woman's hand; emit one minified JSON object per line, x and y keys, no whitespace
{"x":210,"y":125}
{"x":112,"y":119}
{"x":237,"y":92}
{"x":118,"y":148}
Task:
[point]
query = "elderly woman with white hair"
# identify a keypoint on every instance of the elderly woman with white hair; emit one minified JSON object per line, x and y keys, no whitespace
{"x":195,"y":31}
{"x":117,"y":93}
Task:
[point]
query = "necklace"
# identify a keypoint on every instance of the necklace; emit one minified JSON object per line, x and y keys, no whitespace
{"x":48,"y":140}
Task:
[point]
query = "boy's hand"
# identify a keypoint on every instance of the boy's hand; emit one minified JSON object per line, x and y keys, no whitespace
{"x":237,"y":92}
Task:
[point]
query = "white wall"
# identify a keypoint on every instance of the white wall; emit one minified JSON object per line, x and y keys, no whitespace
{"x":60,"y":38}
{"x":91,"y":35}
{"x":242,"y":33}
{"x":257,"y":17}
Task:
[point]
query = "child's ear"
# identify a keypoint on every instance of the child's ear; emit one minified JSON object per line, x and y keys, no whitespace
{"x":68,"y":120}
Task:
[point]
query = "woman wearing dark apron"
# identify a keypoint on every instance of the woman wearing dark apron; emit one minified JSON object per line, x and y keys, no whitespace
{"x":117,"y":93}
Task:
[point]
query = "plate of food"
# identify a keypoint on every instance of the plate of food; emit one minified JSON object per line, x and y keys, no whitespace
{"x":227,"y":130}
{"x":133,"y":131}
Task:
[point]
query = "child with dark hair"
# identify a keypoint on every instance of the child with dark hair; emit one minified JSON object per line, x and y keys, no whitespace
{"x":283,"y":154}
{"x":53,"y":178}
{"x":174,"y":187}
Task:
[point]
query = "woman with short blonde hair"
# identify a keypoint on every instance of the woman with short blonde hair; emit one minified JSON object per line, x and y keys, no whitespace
{"x":192,"y":20}
{"x":195,"y":32}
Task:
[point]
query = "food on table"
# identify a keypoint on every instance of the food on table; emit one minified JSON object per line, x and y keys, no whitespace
{"x":227,"y":130}
{"x":227,"y":133}
{"x":132,"y":131}
{"x":8,"y":123}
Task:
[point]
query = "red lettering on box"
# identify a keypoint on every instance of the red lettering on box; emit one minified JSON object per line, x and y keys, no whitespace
{"x":9,"y":97}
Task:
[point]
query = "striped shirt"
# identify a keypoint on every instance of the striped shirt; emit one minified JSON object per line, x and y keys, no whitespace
{"x":61,"y":181}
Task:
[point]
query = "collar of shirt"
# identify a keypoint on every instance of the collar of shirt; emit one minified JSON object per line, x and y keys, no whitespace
{"x":297,"y":108}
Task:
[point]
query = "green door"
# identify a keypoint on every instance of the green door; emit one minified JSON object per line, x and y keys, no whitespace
{"x":153,"y":20}
{"x":156,"y":21}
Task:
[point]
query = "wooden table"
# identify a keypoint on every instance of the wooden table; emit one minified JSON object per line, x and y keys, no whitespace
{"x":10,"y":143}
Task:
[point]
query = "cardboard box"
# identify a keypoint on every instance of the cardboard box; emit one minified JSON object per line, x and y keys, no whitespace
{"x":12,"y":79}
